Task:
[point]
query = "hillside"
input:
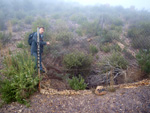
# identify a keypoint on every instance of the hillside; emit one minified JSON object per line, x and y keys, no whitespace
{"x":99,"y":45}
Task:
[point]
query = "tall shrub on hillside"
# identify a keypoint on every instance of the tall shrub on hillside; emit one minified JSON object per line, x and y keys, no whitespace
{"x":143,"y":58}
{"x":20,"y":80}
{"x":140,"y":35}
{"x":78,"y":63}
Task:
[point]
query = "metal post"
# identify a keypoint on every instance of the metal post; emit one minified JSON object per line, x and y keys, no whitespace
{"x":38,"y":56}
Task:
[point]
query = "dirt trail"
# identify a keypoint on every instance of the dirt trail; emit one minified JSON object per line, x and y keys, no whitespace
{"x":133,"y":100}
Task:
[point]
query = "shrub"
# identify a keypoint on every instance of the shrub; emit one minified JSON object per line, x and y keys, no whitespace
{"x":140,"y":35}
{"x":117,"y":60}
{"x":78,"y":63}
{"x":19,"y":82}
{"x":143,"y":58}
{"x":141,"y":42}
{"x":79,"y":31}
{"x":128,"y":54}
{"x":90,"y":28}
{"x":77,"y":83}
{"x":14,"y":21}
{"x":106,"y":48}
{"x":56,"y":16}
{"x":40,"y":23}
{"x":29,"y":19}
{"x":93,"y":49}
{"x":116,"y":47}
{"x":109,"y":36}
{"x":61,"y":26}
{"x":20,"y":15}
{"x":97,"y":57}
{"x":117,"y":22}
{"x":2,"y":21}
{"x":20,"y":45}
{"x":78,"y":18}
{"x":25,"y":41}
{"x":5,"y":38}
{"x":65,"y":37}
{"x":116,"y":28}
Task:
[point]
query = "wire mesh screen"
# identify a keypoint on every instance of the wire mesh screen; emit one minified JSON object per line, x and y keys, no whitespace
{"x":105,"y":51}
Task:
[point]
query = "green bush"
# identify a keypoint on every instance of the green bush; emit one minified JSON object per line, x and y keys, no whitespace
{"x":143,"y":58}
{"x":61,"y":26}
{"x":78,"y":63}
{"x":116,"y":28}
{"x":93,"y":49}
{"x":2,"y":21}
{"x":78,"y":18}
{"x":117,"y":60}
{"x":65,"y":37}
{"x":77,"y":83}
{"x":40,"y":23}
{"x":79,"y":31}
{"x":91,"y":28}
{"x":109,"y":36}
{"x":5,"y":38}
{"x":106,"y":48}
{"x":141,"y":42}
{"x":14,"y":21}
{"x":29,"y":19}
{"x":20,"y":15}
{"x":25,"y":41}
{"x":128,"y":54}
{"x":118,"y":22}
{"x":56,"y":16}
{"x":20,"y":45}
{"x":116,"y":47}
{"x":19,"y":82}
{"x":140,"y":35}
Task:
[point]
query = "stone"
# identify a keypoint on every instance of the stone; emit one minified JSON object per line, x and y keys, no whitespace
{"x":100,"y":90}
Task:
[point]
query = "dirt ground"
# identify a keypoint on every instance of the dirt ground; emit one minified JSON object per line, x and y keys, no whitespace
{"x":132,"y":100}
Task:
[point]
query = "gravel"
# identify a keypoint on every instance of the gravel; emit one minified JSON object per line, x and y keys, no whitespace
{"x":132,"y":100}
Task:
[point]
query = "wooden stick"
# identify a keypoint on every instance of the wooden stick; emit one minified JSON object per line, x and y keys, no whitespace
{"x":38,"y":55}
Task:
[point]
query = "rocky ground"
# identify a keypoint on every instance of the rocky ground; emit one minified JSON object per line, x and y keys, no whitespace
{"x":131,"y":100}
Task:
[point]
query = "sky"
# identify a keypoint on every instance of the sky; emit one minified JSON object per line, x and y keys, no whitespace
{"x":139,"y":4}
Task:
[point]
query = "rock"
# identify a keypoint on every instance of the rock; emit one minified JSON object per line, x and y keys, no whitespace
{"x":100,"y":90}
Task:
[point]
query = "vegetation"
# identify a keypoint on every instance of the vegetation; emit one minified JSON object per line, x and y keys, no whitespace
{"x":143,"y":58}
{"x":115,"y":60}
{"x":116,"y":47}
{"x":40,"y":23}
{"x":140,"y":35}
{"x":128,"y":54}
{"x":2,"y":21}
{"x":20,"y":80}
{"x":20,"y":45}
{"x":65,"y":37}
{"x":5,"y":38}
{"x":78,"y":18}
{"x":93,"y":49}
{"x":109,"y":36}
{"x":29,"y":19}
{"x":77,"y":83}
{"x":70,"y":26}
{"x":106,"y":48}
{"x":78,"y":63}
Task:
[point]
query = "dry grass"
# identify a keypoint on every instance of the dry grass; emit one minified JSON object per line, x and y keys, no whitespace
{"x":133,"y":74}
